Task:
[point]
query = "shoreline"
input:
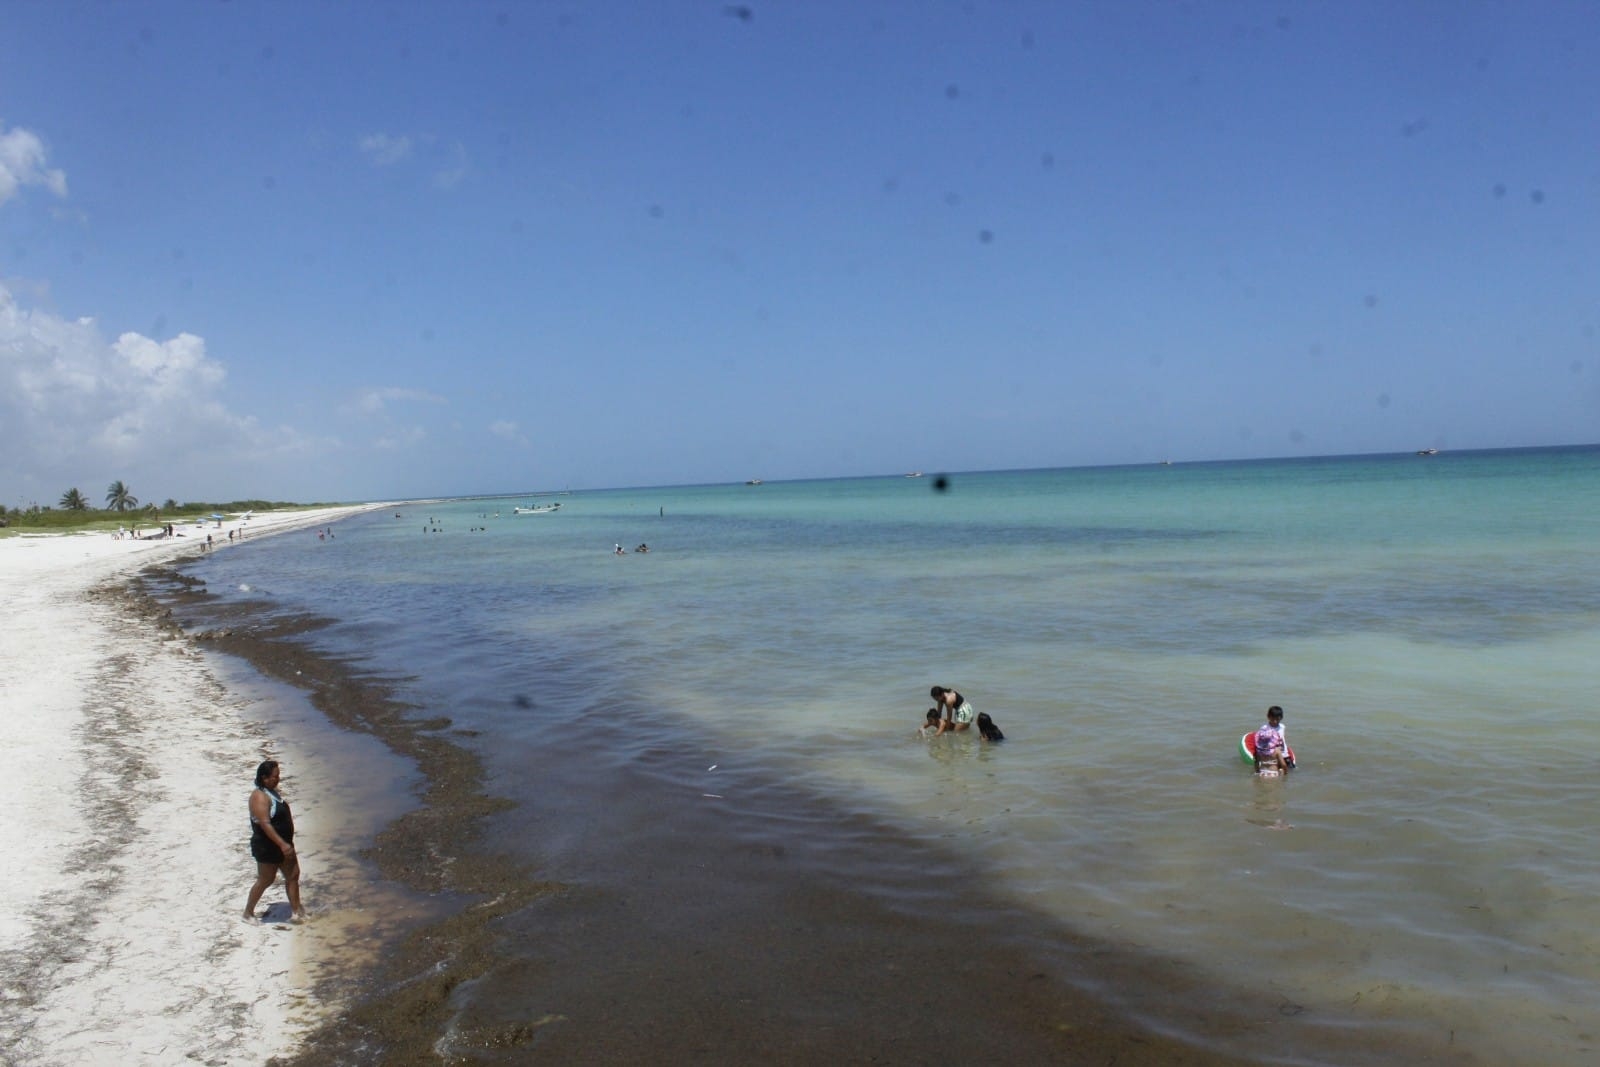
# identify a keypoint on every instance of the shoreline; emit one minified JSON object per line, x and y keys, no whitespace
{"x":436,"y":990}
{"x":402,"y":1008}
{"x":120,"y":928}
{"x":440,"y":894}
{"x":806,"y":971}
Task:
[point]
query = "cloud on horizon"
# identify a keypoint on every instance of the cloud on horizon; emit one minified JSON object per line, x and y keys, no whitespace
{"x":79,"y":409}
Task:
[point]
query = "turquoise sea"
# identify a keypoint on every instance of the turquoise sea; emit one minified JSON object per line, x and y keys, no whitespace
{"x":1430,"y":625}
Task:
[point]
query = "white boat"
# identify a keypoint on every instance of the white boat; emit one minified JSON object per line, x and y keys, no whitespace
{"x":753,"y":481}
{"x":538,"y":509}
{"x":1427,"y":451}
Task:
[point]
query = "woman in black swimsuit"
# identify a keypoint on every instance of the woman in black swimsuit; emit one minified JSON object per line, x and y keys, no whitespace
{"x":272,"y":841}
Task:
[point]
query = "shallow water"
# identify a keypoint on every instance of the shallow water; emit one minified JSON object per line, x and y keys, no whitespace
{"x":1428,"y":623}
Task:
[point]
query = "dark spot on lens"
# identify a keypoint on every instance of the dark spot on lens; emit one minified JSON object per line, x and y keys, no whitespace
{"x":940,"y":484}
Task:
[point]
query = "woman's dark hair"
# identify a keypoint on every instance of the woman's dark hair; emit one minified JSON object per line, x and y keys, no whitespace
{"x":988,"y":729}
{"x":937,"y":692}
{"x":266,"y":768}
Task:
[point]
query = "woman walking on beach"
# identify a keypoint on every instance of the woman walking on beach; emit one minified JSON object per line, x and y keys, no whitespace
{"x":272,"y":841}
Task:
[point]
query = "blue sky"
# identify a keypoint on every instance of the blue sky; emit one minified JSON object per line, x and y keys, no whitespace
{"x":359,"y":250}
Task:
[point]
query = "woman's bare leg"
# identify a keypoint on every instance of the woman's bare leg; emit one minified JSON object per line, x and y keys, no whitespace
{"x":291,"y":884}
{"x":266,"y":874}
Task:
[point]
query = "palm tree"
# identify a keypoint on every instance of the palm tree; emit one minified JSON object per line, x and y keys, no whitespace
{"x":73,"y":500}
{"x":118,"y":498}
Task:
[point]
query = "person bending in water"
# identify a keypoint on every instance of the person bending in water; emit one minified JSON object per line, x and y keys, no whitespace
{"x":987,"y":730}
{"x":955,"y":713}
{"x":1272,"y":750}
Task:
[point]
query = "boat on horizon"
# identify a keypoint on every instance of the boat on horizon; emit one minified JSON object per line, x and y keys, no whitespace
{"x":537,"y":509}
{"x":1427,"y":451}
{"x":753,"y":481}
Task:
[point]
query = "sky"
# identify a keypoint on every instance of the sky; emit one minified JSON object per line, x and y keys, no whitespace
{"x":357,"y":251}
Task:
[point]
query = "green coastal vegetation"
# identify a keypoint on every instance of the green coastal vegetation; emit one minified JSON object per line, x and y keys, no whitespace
{"x":74,"y":512}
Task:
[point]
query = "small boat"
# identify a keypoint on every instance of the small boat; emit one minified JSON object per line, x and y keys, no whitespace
{"x":1427,"y":451}
{"x":914,"y":474}
{"x":538,"y":509}
{"x":753,"y":481}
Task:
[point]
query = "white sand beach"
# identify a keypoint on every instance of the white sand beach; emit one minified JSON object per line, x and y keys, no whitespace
{"x":123,"y":823}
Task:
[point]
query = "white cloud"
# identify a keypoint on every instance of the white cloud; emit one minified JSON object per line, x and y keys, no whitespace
{"x":507,"y":430}
{"x":393,"y":433}
{"x":400,"y":437}
{"x":22,"y":162}
{"x":449,"y":177}
{"x":376,"y":400}
{"x":450,"y":163}
{"x":384,"y":150}
{"x":78,"y":408}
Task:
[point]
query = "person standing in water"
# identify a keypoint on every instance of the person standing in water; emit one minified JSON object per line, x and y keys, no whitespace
{"x":272,"y":841}
{"x":1272,"y":749}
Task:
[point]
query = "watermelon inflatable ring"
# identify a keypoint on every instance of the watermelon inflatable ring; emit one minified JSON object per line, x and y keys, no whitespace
{"x":1247,"y":749}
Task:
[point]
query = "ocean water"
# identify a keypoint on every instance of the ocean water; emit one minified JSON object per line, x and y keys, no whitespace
{"x":1430,"y":625}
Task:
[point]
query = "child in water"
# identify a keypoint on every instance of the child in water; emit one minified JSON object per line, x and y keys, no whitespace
{"x":987,"y":730}
{"x":1272,"y":750}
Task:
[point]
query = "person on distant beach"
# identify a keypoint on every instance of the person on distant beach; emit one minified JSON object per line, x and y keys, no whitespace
{"x":987,"y":730}
{"x":272,"y":841}
{"x":1272,"y":749}
{"x":955,"y":713}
